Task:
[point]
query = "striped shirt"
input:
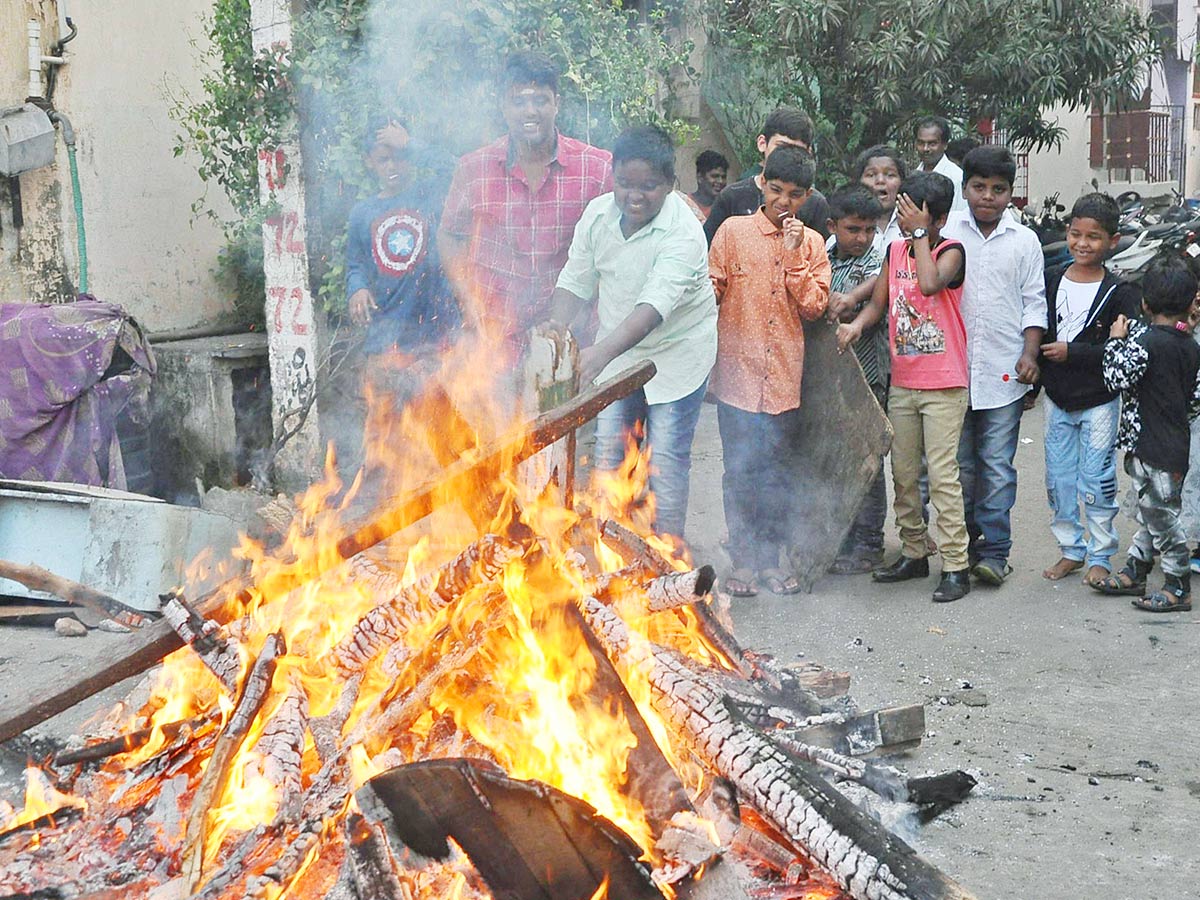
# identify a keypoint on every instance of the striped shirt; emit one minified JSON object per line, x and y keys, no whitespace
{"x":872,"y":347}
{"x":519,"y":233}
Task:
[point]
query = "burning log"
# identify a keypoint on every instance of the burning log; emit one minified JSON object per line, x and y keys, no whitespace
{"x":865,"y":859}
{"x":155,"y":641}
{"x":372,"y":870}
{"x":125,"y":743}
{"x":884,"y":781}
{"x":281,"y":747}
{"x":480,"y":563}
{"x":677,"y":589}
{"x":209,"y":639}
{"x":528,"y":840}
{"x":633,"y":548}
{"x":38,"y":579}
{"x":216,"y":775}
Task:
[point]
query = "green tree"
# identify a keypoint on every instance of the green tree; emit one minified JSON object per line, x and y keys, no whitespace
{"x":867,"y":69}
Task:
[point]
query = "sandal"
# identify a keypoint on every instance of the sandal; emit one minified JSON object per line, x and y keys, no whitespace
{"x":856,"y":562}
{"x":782,"y":583}
{"x":1162,"y":602}
{"x":1129,"y":582}
{"x":741,"y":583}
{"x":1175,"y":596}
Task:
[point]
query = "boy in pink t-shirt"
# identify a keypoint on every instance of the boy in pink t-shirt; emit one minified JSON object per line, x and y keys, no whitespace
{"x":928,"y":397}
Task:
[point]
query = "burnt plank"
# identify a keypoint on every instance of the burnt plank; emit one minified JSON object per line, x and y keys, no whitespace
{"x":527,"y":840}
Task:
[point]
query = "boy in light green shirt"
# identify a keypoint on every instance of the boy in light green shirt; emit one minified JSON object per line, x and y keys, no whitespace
{"x":643,"y":252}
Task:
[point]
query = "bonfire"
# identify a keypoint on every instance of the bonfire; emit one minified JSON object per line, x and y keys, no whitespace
{"x":520,"y":693}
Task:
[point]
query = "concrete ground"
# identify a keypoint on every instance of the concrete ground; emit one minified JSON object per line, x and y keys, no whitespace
{"x":1081,"y":731}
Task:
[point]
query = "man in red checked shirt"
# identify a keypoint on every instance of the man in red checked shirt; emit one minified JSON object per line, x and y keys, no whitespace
{"x":513,"y":205}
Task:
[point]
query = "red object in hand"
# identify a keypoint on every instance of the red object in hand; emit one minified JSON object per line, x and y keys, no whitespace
{"x":1004,"y":377}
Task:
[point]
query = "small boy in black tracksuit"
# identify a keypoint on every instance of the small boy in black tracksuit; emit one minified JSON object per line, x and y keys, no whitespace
{"x":1156,"y":366}
{"x":1083,"y":300}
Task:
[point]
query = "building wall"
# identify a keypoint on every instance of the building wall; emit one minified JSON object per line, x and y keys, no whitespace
{"x":145,"y":248}
{"x":1067,"y":169}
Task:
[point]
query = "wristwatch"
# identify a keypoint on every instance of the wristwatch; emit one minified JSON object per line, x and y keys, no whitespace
{"x":918,"y":233}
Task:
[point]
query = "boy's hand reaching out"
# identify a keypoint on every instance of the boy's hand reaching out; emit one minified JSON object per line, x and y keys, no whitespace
{"x":848,"y":333}
{"x":1055,"y":352}
{"x":909,"y":216}
{"x":362,"y":304}
{"x":1120,"y":328}
{"x":839,"y":305}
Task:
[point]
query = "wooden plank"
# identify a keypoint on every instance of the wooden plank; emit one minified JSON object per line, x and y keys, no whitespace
{"x":824,"y":683}
{"x":879,"y":731}
{"x":842,"y":436}
{"x":34,"y":702}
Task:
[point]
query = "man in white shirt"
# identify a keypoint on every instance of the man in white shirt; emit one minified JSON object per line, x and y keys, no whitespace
{"x":931,"y":136}
{"x":1004,"y":310}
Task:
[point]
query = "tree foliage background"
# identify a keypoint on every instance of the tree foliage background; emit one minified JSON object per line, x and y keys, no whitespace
{"x":864,"y":69}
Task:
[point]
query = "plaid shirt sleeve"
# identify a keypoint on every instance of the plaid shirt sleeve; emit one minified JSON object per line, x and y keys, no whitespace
{"x":456,"y":215}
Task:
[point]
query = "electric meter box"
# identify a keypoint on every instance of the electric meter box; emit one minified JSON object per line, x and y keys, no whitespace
{"x":26,"y":139}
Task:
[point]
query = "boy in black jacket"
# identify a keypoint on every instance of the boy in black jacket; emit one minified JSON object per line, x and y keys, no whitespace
{"x":1083,"y":300}
{"x":1156,"y":366}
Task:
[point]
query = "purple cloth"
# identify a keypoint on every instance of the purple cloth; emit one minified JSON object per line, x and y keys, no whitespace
{"x":66,"y":373}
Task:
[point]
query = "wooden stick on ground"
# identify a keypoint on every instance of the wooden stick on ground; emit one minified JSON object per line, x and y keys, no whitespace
{"x":38,"y":579}
{"x":155,"y":641}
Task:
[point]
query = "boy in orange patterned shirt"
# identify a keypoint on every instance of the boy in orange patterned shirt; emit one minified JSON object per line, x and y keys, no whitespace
{"x":770,"y":273}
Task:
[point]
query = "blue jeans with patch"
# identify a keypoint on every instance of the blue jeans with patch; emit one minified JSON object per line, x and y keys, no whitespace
{"x":1081,"y":465}
{"x":989,"y":479}
{"x":667,"y":429}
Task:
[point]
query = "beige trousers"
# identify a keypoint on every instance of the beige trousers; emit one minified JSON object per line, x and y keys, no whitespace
{"x":929,"y":423}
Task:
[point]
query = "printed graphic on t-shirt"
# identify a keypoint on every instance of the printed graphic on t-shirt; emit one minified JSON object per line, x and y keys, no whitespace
{"x":398,"y":242}
{"x":916,"y":333}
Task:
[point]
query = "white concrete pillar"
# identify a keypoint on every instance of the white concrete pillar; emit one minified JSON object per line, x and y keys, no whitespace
{"x":293,"y":346}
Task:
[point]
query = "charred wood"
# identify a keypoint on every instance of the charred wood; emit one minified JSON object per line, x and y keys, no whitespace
{"x":679,"y":588}
{"x":862,"y":856}
{"x":217,"y":773}
{"x":135,"y":740}
{"x":634,"y":548}
{"x":527,"y":840}
{"x":209,"y":639}
{"x":372,"y":868}
{"x":384,"y":625}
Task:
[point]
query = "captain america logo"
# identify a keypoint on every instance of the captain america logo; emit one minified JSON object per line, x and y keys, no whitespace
{"x":399,"y":242}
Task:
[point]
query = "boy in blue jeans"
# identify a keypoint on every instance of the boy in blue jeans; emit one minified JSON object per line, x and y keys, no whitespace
{"x":1004,"y":310}
{"x":1083,"y":299}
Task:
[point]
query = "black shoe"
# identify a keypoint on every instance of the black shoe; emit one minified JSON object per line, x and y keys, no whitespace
{"x":954,"y":586}
{"x":903,"y":569}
